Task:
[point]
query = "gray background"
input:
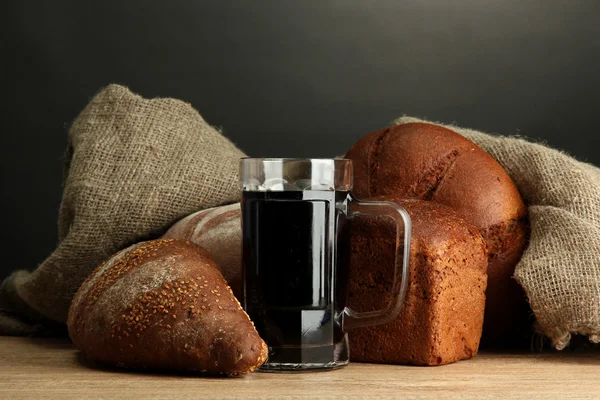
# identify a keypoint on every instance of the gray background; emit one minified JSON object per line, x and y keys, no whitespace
{"x":287,"y":78}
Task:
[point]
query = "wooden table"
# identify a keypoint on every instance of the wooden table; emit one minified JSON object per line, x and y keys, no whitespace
{"x":51,"y":369}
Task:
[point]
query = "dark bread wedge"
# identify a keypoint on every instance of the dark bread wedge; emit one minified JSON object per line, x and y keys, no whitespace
{"x":163,"y":304}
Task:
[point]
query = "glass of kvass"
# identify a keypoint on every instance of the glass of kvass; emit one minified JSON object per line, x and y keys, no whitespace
{"x":296,"y":226}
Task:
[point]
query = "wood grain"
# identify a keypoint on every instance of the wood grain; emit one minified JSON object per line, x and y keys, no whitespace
{"x":51,"y":369}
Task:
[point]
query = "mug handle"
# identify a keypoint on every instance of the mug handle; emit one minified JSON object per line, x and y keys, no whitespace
{"x":353,"y":319}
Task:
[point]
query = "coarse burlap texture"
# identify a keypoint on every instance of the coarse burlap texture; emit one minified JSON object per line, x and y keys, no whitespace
{"x":560,"y":269}
{"x":134,"y":167}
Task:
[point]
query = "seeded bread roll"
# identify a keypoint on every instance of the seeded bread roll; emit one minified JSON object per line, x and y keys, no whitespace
{"x":163,"y":304}
{"x":429,"y":162}
{"x":442,"y":317}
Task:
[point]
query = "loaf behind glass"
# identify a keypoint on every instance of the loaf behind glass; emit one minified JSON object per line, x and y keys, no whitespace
{"x":163,"y":304}
{"x":430,"y":162}
{"x":217,"y":230}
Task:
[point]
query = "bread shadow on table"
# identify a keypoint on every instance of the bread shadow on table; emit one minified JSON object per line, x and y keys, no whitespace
{"x":150,"y":372}
{"x":580,"y":351}
{"x":56,"y":342}
{"x":64,"y":343}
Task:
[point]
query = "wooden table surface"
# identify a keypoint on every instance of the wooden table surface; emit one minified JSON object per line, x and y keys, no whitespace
{"x":51,"y":369}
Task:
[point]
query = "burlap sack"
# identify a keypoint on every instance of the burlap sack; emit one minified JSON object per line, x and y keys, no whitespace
{"x":134,"y":167}
{"x":560,"y":270}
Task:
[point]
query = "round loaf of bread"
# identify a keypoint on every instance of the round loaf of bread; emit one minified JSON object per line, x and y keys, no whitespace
{"x":163,"y":304}
{"x":429,"y":162}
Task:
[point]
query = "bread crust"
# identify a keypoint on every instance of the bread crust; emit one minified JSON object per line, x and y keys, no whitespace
{"x":163,"y":304}
{"x":218,"y":231}
{"x":442,"y":317}
{"x":430,"y":162}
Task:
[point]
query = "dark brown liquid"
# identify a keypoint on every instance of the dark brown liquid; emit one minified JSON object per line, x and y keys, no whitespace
{"x":294,"y":290}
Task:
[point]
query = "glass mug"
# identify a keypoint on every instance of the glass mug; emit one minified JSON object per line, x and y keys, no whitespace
{"x":296,"y":254}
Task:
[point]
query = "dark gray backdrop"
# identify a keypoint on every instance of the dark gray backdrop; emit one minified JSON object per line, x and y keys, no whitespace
{"x":287,"y":78}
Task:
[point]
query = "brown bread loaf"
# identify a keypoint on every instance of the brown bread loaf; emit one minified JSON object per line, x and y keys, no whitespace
{"x":163,"y":304}
{"x":442,"y":318}
{"x":429,"y":162}
{"x":217,"y":230}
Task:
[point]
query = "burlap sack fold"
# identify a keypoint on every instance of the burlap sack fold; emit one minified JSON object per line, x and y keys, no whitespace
{"x":134,"y":167}
{"x":560,"y":269}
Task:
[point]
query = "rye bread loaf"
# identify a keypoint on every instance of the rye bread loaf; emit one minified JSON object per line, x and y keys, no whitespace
{"x":163,"y":304}
{"x":217,"y":230}
{"x":442,"y":317}
{"x":429,"y":162}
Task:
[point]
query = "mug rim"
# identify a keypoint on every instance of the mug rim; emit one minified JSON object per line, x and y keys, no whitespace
{"x":325,"y":173}
{"x":270,"y":159}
